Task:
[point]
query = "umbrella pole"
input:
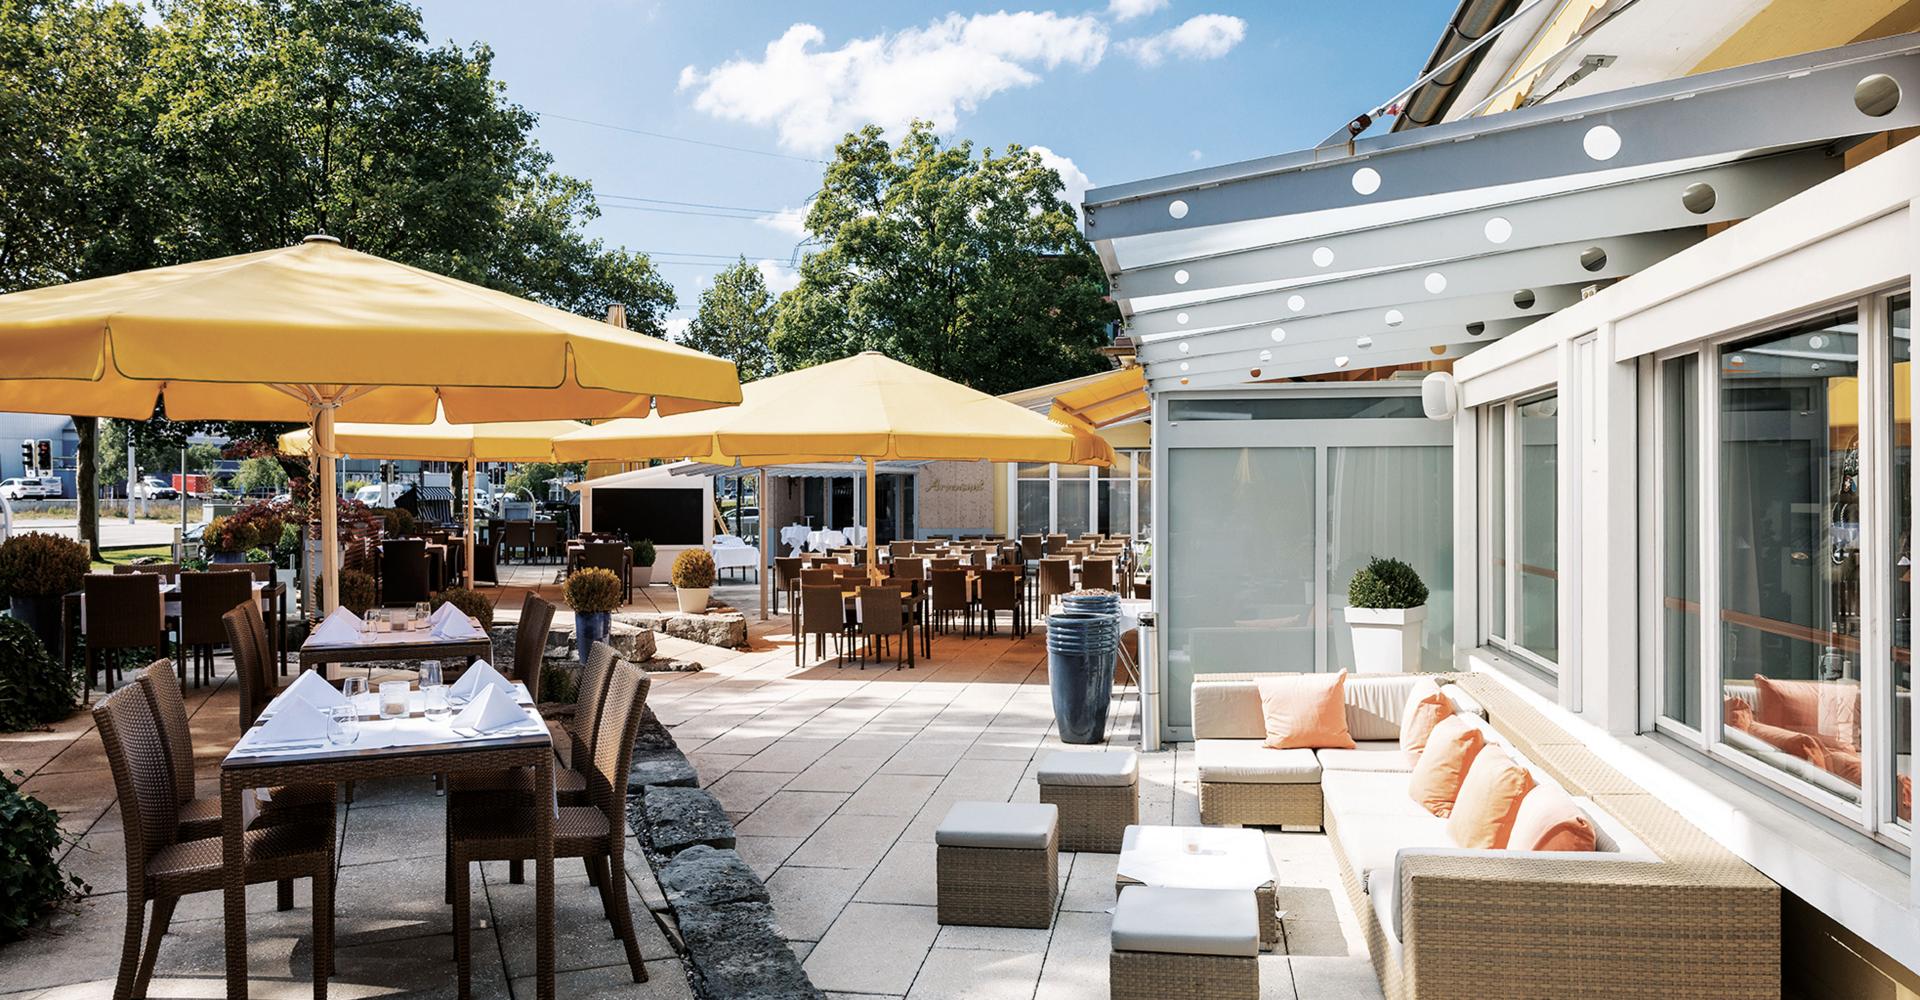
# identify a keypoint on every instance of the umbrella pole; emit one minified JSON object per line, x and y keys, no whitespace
{"x":329,"y":509}
{"x":873,"y":520}
{"x":473,"y":539}
{"x":766,"y":541}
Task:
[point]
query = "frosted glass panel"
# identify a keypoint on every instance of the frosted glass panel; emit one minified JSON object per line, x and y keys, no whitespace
{"x":1396,"y":503}
{"x":1538,"y":512}
{"x":1031,"y":491}
{"x":1238,"y":565}
{"x":1070,"y":503}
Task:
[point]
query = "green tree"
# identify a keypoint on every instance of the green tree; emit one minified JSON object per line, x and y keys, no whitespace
{"x":158,"y":454}
{"x":735,"y":321}
{"x":534,"y":476}
{"x":967,"y":266}
{"x":230,"y":126}
{"x":259,"y":474}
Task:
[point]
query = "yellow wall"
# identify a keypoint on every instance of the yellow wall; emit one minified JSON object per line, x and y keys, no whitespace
{"x":1790,"y":27}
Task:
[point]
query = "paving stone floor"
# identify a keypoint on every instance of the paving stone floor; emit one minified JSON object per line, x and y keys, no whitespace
{"x":835,"y":777}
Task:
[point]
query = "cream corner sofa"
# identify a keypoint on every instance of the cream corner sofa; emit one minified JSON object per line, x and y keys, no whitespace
{"x":1657,"y":910}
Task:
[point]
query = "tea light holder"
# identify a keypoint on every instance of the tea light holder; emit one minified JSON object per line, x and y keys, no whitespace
{"x":393,"y":699}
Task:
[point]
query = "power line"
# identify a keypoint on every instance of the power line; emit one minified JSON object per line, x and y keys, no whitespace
{"x":677,"y":138}
{"x":686,"y":211}
{"x":688,"y":204}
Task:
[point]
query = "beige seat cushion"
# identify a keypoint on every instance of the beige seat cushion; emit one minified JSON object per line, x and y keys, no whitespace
{"x":1089,"y":769}
{"x":1187,"y":921}
{"x":1004,"y":825}
{"x":1371,"y":755}
{"x":1247,"y":762}
{"x":1374,"y":702}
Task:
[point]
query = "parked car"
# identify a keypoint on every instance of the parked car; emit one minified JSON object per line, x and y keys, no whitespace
{"x":51,"y":488}
{"x":153,"y":488}
{"x":20,"y":489}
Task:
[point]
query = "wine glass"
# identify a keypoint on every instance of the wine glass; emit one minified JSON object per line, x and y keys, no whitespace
{"x":353,"y":688}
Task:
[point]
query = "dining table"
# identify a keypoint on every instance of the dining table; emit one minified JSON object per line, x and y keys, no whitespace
{"x":410,"y":745}
{"x":414,"y":641}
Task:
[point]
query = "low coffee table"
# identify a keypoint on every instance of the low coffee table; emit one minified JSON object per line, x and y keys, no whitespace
{"x":1203,"y":857}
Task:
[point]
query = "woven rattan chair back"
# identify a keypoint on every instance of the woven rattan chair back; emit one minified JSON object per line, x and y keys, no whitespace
{"x":546,"y":537}
{"x":246,"y":635}
{"x":590,"y":694}
{"x":1054,"y":543}
{"x":124,"y":611}
{"x":882,"y":611}
{"x":610,"y":556}
{"x":129,"y":728}
{"x":517,"y":535}
{"x":999,"y":590}
{"x":626,"y":702}
{"x":897,"y":550}
{"x":530,"y":642}
{"x":786,"y":569}
{"x":168,"y":572}
{"x":939,"y":563}
{"x":1032,"y":547}
{"x":911,"y":568}
{"x":403,"y":571}
{"x":821,"y":609}
{"x":170,"y":711}
{"x":204,"y":597}
{"x":949,"y":590}
{"x":1096,"y":573}
{"x":818,"y":576}
{"x":262,"y":571}
{"x":1056,"y":576}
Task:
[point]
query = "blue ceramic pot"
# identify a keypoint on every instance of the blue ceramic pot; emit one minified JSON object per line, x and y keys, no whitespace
{"x":227,"y":557}
{"x":589,"y":628}
{"x":1080,"y":650}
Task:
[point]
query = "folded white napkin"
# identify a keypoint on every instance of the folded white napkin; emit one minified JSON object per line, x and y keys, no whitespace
{"x":443,"y":612}
{"x":296,"y":721}
{"x":455,"y":626}
{"x":477,"y":678}
{"x":340,"y":628}
{"x":490,"y":711}
{"x":313,"y":689}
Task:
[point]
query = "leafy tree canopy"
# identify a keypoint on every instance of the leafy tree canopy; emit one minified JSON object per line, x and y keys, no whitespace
{"x":735,"y":321}
{"x":968,"y":266}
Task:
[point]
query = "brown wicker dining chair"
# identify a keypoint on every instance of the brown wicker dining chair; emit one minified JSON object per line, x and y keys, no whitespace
{"x":546,"y":539}
{"x":612,"y":557}
{"x":594,"y":833}
{"x":204,"y":597}
{"x":1096,"y":573}
{"x":168,"y":572}
{"x":124,"y":612}
{"x":1056,"y":578}
{"x":786,"y":577}
{"x":404,"y":572}
{"x":530,"y":643}
{"x":950,"y":597}
{"x":910,"y":568}
{"x":517,"y":536}
{"x":883,"y":615}
{"x":1000,"y":591}
{"x":163,"y":866}
{"x":1054,"y":543}
{"x":822,"y":614}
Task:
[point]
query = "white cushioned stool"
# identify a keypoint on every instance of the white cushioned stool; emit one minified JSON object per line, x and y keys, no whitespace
{"x":998,"y":864}
{"x":1098,"y":794}
{"x":1195,"y":944}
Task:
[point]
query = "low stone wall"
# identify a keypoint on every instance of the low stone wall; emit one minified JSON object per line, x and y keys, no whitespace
{"x":718,"y":905}
{"x":725,"y":628}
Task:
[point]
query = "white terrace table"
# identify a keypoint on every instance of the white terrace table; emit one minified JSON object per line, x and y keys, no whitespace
{"x":377,"y":647}
{"x":386,"y":748}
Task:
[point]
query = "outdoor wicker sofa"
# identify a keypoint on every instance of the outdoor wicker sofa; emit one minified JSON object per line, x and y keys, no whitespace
{"x":1657,"y":910}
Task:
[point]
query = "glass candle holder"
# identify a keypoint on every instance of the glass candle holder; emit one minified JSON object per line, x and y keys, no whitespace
{"x":393,"y":699}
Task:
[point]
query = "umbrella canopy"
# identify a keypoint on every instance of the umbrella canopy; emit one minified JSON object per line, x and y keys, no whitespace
{"x":440,"y":441}
{"x":868,"y":406}
{"x":1105,"y":401}
{"x":317,"y":332}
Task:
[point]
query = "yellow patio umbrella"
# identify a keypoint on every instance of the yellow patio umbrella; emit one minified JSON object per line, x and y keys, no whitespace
{"x":867,"y":407}
{"x":440,"y":441}
{"x":316,"y":332}
{"x":1113,"y":397}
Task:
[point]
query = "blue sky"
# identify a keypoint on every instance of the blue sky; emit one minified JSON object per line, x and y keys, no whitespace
{"x":1122,"y":90}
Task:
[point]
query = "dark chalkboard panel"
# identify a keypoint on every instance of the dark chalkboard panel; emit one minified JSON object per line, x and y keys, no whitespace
{"x":668,"y":516}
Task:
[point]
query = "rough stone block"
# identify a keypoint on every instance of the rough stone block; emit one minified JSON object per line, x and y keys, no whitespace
{"x":727,"y":629}
{"x":735,"y":953}
{"x":679,"y":818}
{"x":709,"y":876}
{"x":666,"y":767}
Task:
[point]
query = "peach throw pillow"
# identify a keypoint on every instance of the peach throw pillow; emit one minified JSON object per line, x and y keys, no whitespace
{"x":1425,"y":707}
{"x":1489,"y":801}
{"x":1828,"y":711}
{"x":1305,"y":710}
{"x":1441,"y":768}
{"x":1549,"y":820}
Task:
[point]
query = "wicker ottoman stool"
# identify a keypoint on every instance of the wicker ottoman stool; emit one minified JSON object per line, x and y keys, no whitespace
{"x":1195,"y":857}
{"x":998,"y":864}
{"x":1098,"y":794}
{"x":1194,"y":944}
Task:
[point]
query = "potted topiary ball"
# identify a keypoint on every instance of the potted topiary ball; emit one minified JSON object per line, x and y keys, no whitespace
{"x":1387,"y":611}
{"x":36,"y":570}
{"x":593,"y":594}
{"x":643,"y":556}
{"x":693,"y":580}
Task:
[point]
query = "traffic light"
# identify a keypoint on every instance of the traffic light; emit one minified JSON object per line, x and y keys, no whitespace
{"x":45,"y":464}
{"x":26,"y":458}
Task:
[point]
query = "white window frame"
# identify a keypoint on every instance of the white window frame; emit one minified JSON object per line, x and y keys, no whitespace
{"x":1093,"y":494}
{"x":1506,"y":412}
{"x":1874,"y":813}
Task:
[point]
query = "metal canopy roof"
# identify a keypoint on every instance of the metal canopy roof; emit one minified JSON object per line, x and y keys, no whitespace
{"x":1431,"y":242}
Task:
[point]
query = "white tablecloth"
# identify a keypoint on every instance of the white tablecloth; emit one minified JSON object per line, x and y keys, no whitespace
{"x":381,"y":734}
{"x":823,"y":541}
{"x":737,"y":555}
{"x":794,"y":537}
{"x":1196,"y":857}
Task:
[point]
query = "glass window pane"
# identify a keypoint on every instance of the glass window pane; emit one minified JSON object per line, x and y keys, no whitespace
{"x":1680,"y":540}
{"x":1030,"y":490}
{"x":1144,"y":501}
{"x":1494,"y":502}
{"x":1789,"y":558}
{"x":1239,"y":569}
{"x":1536,"y":539}
{"x":1400,"y":406}
{"x":1070,"y":502}
{"x":1397,"y":503}
{"x":1116,"y":496}
{"x":1901,"y":488}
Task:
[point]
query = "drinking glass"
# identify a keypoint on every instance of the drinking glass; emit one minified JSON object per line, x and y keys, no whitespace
{"x":353,"y":688}
{"x":343,"y":725}
{"x":393,"y":699}
{"x":433,"y":689}
{"x":421,"y":611}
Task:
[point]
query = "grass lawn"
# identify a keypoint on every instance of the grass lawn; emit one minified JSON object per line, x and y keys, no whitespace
{"x":124,"y":556}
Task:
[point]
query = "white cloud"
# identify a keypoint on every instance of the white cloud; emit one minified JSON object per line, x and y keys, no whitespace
{"x":815,"y":95}
{"x":1207,"y":36}
{"x":677,"y":327}
{"x":1073,"y":180}
{"x":789,"y":221}
{"x":1127,"y":10}
{"x":778,"y":276}
{"x":1194,"y":155}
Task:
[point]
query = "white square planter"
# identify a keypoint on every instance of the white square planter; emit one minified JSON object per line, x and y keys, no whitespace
{"x":1387,"y":640}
